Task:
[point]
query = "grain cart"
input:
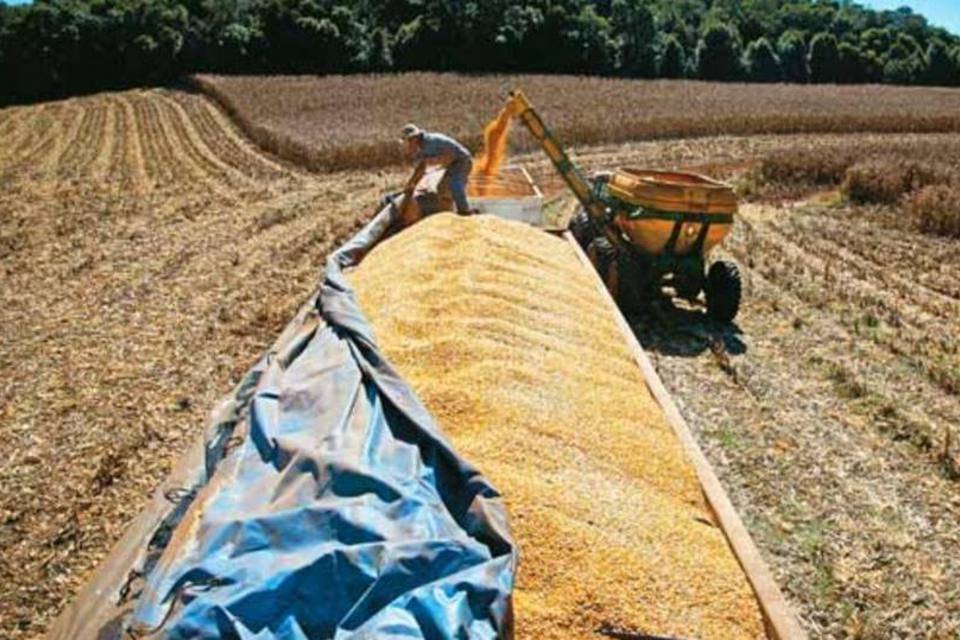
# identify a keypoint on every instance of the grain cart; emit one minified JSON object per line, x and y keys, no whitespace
{"x":644,"y":230}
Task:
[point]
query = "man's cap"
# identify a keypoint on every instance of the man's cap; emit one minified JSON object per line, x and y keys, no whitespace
{"x":411,"y":131}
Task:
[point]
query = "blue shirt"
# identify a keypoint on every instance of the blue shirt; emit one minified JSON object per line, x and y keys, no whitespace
{"x":435,"y":145}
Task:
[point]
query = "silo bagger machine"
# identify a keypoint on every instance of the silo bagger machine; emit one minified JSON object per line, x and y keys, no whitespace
{"x":645,"y":230}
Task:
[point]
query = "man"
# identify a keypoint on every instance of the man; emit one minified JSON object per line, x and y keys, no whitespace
{"x":438,"y":149}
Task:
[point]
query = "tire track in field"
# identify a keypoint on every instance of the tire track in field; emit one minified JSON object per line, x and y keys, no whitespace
{"x":299,"y":232}
{"x":220,"y":135}
{"x":250,"y":156}
{"x":95,"y":143}
{"x":185,"y":171}
{"x":821,"y":427}
{"x":908,"y":322}
{"x":174,"y":149}
{"x":224,"y":178}
{"x":32,"y":133}
{"x":24,"y":133}
{"x":6,"y":116}
{"x":71,"y":124}
{"x":850,"y":249}
{"x":105,"y":276}
{"x":132,"y":171}
{"x":14,"y":119}
{"x":69,"y":134}
{"x":74,"y":143}
{"x":106,"y":156}
{"x":162,"y":167}
{"x":898,"y":254}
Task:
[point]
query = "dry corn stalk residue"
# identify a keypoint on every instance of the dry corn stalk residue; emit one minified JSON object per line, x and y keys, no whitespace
{"x":504,"y":336}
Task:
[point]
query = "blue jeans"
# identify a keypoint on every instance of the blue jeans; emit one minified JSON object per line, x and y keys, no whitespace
{"x":454,"y":183}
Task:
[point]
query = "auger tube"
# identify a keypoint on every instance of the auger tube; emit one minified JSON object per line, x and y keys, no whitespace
{"x":519,"y":107}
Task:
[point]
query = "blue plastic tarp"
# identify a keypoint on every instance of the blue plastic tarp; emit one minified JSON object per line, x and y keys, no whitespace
{"x":344,"y":512}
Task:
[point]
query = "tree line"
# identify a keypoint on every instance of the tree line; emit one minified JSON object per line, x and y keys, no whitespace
{"x":53,"y":48}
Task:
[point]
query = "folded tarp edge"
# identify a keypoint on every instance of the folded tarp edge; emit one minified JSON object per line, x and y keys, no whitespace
{"x":104,"y":607}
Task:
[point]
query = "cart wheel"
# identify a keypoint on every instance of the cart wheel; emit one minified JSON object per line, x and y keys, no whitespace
{"x":687,"y":288}
{"x":582,"y":229}
{"x":723,"y":291}
{"x":604,"y":258}
{"x":636,"y":289}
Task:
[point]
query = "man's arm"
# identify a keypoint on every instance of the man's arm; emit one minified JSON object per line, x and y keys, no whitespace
{"x":417,"y":174}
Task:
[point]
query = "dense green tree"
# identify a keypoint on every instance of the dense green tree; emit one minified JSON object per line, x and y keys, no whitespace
{"x":156,"y":38}
{"x":431,"y":39}
{"x":904,"y":46}
{"x":841,"y":25}
{"x":911,"y":24}
{"x":761,"y":63}
{"x":823,"y":59}
{"x":904,"y":62}
{"x":673,"y":58}
{"x":876,"y":41}
{"x":589,"y":39}
{"x":233,"y":47}
{"x":792,"y":51}
{"x":718,"y":53}
{"x":633,"y":21}
{"x":904,"y":70}
{"x":680,"y":18}
{"x":853,"y":65}
{"x":381,"y":50}
{"x":53,"y":48}
{"x":808,"y":17}
{"x":514,"y":32}
{"x":757,"y":18}
{"x":941,"y":65}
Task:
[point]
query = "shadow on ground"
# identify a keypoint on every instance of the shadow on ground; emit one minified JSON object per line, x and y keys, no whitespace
{"x":674,"y":328}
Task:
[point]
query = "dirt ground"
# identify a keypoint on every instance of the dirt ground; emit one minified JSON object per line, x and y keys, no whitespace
{"x":148,"y":253}
{"x":826,"y":411}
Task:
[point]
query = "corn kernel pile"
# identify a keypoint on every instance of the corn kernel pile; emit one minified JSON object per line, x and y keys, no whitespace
{"x":503,"y":335}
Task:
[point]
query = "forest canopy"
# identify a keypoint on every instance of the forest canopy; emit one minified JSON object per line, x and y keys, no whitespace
{"x":53,"y":48}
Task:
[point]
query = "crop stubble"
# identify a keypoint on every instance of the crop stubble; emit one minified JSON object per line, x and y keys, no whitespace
{"x":828,"y":427}
{"x":133,"y":295}
{"x":336,"y":122}
{"x":146,"y":256}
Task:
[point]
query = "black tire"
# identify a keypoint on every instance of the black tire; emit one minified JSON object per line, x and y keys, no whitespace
{"x":687,"y":288}
{"x":582,"y":229}
{"x":636,"y":289}
{"x":723,"y":291}
{"x":603,"y":256}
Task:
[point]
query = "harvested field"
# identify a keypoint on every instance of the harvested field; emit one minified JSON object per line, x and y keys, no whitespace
{"x":353,"y":121}
{"x":503,"y":334}
{"x":920,"y":174}
{"x":830,"y":410}
{"x":148,"y":253}
{"x":134,"y":295}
